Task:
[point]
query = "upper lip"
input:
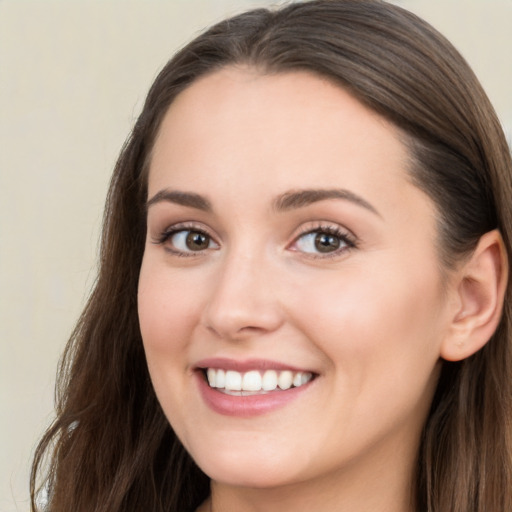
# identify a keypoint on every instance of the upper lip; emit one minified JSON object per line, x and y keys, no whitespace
{"x":246,"y":365}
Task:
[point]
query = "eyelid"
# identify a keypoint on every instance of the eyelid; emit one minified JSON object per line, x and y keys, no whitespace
{"x":346,"y":235}
{"x":164,"y":235}
{"x":348,"y":238}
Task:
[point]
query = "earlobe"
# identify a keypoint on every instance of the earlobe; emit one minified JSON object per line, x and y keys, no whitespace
{"x":480,"y":288}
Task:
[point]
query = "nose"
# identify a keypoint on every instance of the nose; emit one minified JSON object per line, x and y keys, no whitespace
{"x":243,"y":301}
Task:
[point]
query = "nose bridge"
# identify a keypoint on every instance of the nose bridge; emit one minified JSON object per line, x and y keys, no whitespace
{"x":242,"y":301}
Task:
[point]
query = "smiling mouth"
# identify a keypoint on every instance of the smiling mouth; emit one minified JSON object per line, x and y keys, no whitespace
{"x":254,"y":382}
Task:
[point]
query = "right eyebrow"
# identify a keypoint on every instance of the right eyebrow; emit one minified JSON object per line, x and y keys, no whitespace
{"x":301,"y":198}
{"x":189,"y":199}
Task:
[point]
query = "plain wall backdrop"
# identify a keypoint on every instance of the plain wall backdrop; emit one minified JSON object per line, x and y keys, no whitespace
{"x":73,"y":76}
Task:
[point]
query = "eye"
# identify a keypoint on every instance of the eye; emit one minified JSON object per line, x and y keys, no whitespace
{"x":189,"y":240}
{"x":324,"y":241}
{"x":183,"y":241}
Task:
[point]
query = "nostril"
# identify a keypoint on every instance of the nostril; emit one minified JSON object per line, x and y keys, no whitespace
{"x":235,"y":333}
{"x":251,"y":329}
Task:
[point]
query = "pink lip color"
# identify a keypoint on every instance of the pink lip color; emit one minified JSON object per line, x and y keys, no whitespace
{"x":245,"y":406}
{"x":246,"y":365}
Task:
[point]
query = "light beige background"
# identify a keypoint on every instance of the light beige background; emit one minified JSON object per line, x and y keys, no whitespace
{"x":73,"y":75}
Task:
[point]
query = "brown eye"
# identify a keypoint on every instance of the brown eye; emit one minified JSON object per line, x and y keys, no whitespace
{"x":325,"y":242}
{"x":197,"y":241}
{"x":187,"y":241}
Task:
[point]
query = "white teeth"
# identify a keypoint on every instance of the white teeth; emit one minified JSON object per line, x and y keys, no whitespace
{"x":285,"y":380}
{"x":253,"y":380}
{"x":220,"y":379}
{"x":211,"y":374}
{"x":269,"y":380}
{"x":233,"y":381}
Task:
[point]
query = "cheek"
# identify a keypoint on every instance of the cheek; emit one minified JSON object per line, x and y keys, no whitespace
{"x":374,"y":328}
{"x":167,"y":316}
{"x":381,"y":340}
{"x":166,"y":309}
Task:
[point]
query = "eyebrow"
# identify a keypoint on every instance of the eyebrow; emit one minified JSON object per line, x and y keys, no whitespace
{"x":288,"y":201}
{"x":189,"y":199}
{"x":301,"y":198}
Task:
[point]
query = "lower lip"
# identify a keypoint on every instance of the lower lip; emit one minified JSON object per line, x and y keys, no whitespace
{"x":247,"y":406}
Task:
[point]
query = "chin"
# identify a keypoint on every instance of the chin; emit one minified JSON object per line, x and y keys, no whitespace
{"x":254,"y":478}
{"x":242,"y":469}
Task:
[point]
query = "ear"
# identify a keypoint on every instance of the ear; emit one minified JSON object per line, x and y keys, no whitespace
{"x":480,"y":288}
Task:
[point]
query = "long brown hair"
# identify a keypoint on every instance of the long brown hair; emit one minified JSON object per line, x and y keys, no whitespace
{"x":111,"y":448}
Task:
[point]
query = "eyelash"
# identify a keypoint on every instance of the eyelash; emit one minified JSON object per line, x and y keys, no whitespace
{"x":178,"y":228}
{"x":347,"y":239}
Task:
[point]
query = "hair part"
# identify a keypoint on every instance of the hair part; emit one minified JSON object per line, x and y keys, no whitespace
{"x":110,"y":447}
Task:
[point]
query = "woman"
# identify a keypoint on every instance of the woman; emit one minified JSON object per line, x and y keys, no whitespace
{"x":303,"y":298}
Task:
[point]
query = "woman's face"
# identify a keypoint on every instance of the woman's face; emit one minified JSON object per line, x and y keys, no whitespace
{"x":287,"y":247}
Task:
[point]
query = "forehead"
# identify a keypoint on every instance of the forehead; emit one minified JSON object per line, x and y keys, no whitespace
{"x":278,"y":131}
{"x":295,"y":104}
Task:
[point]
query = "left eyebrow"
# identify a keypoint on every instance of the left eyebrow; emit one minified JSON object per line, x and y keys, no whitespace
{"x":301,"y":198}
{"x":189,"y":199}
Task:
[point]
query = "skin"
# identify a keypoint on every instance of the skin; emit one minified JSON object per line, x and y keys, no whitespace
{"x":368,"y":320}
